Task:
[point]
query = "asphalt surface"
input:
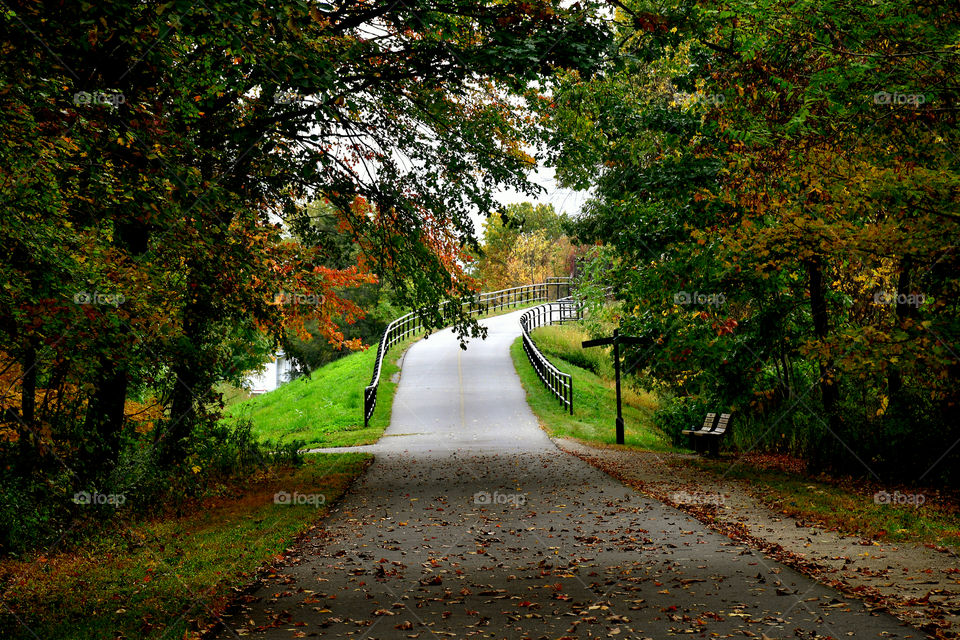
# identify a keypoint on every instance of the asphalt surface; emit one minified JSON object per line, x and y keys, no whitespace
{"x":472,"y":524}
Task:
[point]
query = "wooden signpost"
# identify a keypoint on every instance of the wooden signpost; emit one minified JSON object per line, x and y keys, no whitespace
{"x":616,"y":341}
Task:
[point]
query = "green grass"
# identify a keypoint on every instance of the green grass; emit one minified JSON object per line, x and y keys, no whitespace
{"x":153,"y":579}
{"x":232,"y":395}
{"x":326,"y":408}
{"x":594,"y":403}
{"x":848,"y":507}
{"x":563,"y":341}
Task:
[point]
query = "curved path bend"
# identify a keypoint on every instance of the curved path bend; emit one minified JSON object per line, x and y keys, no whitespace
{"x":471,"y":524}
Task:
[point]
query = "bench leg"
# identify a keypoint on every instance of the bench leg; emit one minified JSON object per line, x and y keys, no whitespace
{"x":714,"y":447}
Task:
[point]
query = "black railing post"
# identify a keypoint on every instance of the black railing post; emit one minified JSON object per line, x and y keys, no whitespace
{"x":559,"y":383}
{"x":413,"y":323}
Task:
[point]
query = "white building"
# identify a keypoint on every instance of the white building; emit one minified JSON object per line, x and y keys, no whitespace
{"x":274,"y":373}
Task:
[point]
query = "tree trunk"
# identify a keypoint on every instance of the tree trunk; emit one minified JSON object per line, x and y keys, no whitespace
{"x":105,"y":417}
{"x":183,"y":413}
{"x":829,"y":393}
{"x":904,"y":311}
{"x":28,"y":403}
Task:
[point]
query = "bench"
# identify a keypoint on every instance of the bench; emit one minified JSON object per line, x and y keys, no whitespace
{"x":710,"y":433}
{"x":708,"y":424}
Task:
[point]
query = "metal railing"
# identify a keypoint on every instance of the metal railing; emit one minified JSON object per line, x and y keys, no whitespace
{"x":412,"y":323}
{"x":559,"y":383}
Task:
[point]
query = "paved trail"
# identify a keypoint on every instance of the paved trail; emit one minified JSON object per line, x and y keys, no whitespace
{"x":472,"y":524}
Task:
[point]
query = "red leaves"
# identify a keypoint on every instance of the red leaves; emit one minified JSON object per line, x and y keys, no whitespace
{"x":724,"y":328}
{"x":650,"y":22}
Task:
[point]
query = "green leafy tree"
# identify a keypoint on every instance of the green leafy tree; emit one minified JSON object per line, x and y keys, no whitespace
{"x":797,"y":160}
{"x":156,"y":155}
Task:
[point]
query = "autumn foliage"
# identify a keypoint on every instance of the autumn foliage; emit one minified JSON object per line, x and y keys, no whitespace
{"x":158,"y":162}
{"x":778,"y":184}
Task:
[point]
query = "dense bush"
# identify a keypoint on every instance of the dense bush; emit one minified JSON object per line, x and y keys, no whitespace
{"x":888,"y":447}
{"x":911,"y":438}
{"x":31,"y":511}
{"x":36,"y":510}
{"x":679,"y":413}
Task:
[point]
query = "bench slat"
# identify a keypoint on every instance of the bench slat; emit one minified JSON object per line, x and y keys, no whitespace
{"x":708,"y":425}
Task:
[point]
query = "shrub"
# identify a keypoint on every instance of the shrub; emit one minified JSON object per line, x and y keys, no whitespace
{"x":31,"y":513}
{"x":679,"y":413}
{"x":909,"y":442}
{"x":35,"y":511}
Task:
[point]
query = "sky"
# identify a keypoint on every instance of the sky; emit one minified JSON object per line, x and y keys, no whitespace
{"x":566,"y":201}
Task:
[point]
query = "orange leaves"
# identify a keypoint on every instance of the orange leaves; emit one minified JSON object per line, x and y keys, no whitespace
{"x":143,"y":416}
{"x":726,"y":327}
{"x":304,"y":291}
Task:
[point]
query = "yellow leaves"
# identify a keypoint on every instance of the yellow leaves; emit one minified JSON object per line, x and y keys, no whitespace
{"x":883,"y":405}
{"x":524,"y":157}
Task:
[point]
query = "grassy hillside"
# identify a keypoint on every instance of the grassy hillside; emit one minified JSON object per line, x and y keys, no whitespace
{"x":326,"y":408}
{"x":594,"y":397}
{"x":160,"y":577}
